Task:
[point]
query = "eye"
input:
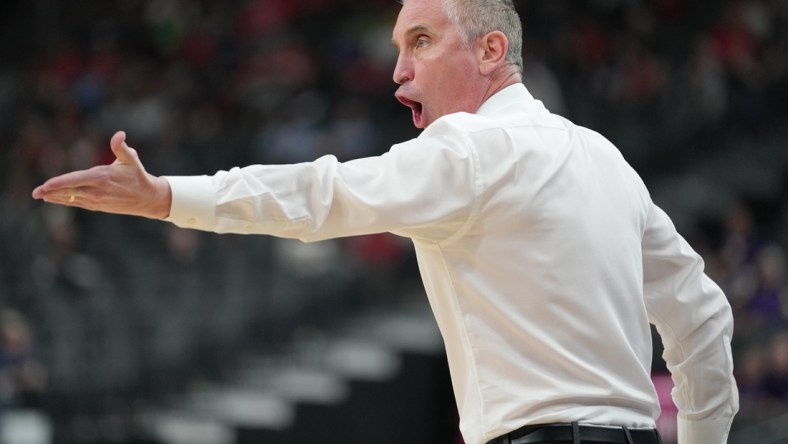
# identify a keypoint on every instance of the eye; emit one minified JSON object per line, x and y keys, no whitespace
{"x":421,"y":42}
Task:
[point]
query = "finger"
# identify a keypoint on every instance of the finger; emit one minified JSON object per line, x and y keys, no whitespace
{"x":73,"y":196}
{"x":65,"y":182}
{"x":66,"y":196}
{"x":123,"y":152}
{"x":75,"y":179}
{"x":38,"y":192}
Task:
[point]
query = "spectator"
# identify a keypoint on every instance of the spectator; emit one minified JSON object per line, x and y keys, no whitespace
{"x":776,"y":379}
{"x":720,"y":59}
{"x":22,"y":377}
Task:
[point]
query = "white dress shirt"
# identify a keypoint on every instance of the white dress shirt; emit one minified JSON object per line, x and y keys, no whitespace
{"x":543,"y":257}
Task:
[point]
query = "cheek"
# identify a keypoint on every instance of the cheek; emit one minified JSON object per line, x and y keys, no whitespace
{"x":446,"y":83}
{"x":455,"y":84}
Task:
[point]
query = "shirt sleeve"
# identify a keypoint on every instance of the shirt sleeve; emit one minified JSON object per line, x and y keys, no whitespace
{"x":694,"y":319}
{"x":419,"y":188}
{"x":193,"y":202}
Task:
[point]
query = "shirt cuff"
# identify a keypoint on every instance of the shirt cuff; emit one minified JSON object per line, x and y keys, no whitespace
{"x":193,"y":202}
{"x":703,"y":432}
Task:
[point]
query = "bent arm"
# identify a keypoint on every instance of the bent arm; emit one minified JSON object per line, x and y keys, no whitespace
{"x":694,"y":319}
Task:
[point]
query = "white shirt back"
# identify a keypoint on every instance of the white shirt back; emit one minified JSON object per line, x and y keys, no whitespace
{"x":543,"y":257}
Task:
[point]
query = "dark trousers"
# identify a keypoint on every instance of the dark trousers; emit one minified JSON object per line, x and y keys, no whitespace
{"x":575,"y":433}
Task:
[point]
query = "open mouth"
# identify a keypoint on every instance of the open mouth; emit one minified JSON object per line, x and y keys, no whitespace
{"x":416,"y":108}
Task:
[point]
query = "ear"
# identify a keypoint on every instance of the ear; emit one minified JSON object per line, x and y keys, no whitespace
{"x":492,"y":51}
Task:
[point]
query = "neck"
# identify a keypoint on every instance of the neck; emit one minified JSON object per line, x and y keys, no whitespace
{"x":502,"y":79}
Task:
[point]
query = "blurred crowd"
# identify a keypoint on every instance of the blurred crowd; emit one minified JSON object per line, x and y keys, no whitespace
{"x":105,"y":306}
{"x":752,"y":269}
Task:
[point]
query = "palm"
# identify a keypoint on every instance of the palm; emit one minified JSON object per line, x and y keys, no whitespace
{"x":124,"y":187}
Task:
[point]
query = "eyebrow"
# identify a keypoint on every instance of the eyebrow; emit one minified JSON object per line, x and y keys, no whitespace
{"x":415,"y":29}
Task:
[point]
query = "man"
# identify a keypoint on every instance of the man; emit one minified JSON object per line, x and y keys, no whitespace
{"x":543,"y":257}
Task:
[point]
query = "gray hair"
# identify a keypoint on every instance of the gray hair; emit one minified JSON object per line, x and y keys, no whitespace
{"x":475,"y":18}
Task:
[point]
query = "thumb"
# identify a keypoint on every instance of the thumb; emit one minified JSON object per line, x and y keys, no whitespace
{"x":123,"y":152}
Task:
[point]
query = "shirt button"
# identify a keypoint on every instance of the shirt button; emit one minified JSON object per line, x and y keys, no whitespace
{"x":191,"y":222}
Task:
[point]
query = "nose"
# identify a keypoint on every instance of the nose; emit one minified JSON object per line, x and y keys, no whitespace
{"x":403,"y":71}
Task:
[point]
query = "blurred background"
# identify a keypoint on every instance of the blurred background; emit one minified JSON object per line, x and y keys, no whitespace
{"x":119,"y":330}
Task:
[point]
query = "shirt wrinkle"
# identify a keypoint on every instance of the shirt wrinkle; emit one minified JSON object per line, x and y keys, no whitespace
{"x":475,"y":203}
{"x":490,"y":236}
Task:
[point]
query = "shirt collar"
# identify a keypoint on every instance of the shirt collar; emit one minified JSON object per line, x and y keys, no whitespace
{"x":511,"y":94}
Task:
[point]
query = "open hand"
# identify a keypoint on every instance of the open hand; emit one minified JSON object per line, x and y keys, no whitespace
{"x":123,"y":187}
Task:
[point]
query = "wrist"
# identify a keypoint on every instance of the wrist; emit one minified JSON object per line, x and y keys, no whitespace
{"x":163,"y":200}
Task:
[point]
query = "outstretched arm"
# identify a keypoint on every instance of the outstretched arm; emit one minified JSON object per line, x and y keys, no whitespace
{"x":123,"y":187}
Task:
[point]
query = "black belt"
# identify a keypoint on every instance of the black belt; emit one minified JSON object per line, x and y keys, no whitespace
{"x":579,"y":433}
